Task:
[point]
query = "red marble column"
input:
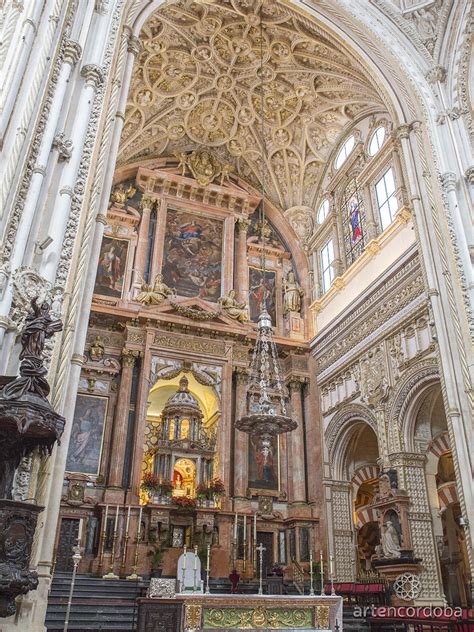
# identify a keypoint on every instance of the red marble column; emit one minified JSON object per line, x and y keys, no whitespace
{"x":119,"y":436}
{"x":314,"y":440}
{"x":146,"y":206}
{"x":241,"y":439}
{"x":241,"y":264}
{"x":297,"y":439}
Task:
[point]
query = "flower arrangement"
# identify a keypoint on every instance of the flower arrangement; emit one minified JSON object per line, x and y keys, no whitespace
{"x":150,"y":483}
{"x":184,"y":503}
{"x":216,"y":487}
{"x":202,"y":491}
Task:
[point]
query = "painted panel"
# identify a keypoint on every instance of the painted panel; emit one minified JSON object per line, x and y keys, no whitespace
{"x":111,"y":268}
{"x":257,"y":292}
{"x":263,"y":464}
{"x":87,"y":432}
{"x":192,"y":254}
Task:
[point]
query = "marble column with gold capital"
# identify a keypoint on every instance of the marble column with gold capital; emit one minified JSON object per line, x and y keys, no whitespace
{"x":297,"y":439}
{"x":241,"y":268}
{"x":147,"y":205}
{"x":241,"y":439}
{"x":119,"y":435}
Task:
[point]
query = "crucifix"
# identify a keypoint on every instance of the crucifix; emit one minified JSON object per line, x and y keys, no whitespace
{"x":260,"y":549}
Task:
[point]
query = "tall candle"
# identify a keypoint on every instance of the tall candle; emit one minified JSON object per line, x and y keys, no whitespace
{"x":208,"y":556}
{"x":331,"y":566}
{"x":235,"y":527}
{"x":139,"y":530}
{"x":245,"y":528}
{"x":106,"y":515}
{"x":321,"y":559}
{"x":79,"y":533}
{"x":128,"y":519}
{"x":195,"y":558}
{"x":255,"y":528}
{"x":184,"y":559}
{"x":116,"y":519}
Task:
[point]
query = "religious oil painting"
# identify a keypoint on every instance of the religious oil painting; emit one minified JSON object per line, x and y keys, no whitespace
{"x":86,"y":436}
{"x":259,"y":290}
{"x":263,"y":464}
{"x":192,"y":258}
{"x":111,"y":268}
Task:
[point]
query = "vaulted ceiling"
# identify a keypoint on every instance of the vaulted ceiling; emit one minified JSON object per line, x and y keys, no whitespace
{"x":207,"y":72}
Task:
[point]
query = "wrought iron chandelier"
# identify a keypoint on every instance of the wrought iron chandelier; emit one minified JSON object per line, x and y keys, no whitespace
{"x":265,"y":379}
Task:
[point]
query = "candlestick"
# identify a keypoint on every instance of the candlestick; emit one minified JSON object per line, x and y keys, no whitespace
{"x":245,"y":542}
{"x":111,"y":574}
{"x":322,"y":572}
{"x":261,"y":549}
{"x":195,"y":567}
{"x":102,"y":542}
{"x":331,"y":572}
{"x":125,"y":545}
{"x":311,"y":587}
{"x":134,"y":575}
{"x":208,"y":568}
{"x":183,"y":585}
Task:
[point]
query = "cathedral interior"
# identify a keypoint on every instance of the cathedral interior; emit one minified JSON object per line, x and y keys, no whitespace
{"x":236,"y":283}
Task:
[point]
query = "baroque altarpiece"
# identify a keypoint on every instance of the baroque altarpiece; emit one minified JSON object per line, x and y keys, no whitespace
{"x":180,"y":281}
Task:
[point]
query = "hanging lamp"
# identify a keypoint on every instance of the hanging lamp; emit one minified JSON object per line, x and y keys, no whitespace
{"x":265,"y":379}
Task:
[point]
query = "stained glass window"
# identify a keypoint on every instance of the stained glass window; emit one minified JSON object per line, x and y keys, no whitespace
{"x":353,"y":222}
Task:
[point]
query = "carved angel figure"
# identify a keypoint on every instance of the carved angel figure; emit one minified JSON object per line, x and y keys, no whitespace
{"x":293,"y":294}
{"x":97,"y":349}
{"x":38,"y":326}
{"x":234,"y":308}
{"x":156,"y":293}
{"x":121,"y":194}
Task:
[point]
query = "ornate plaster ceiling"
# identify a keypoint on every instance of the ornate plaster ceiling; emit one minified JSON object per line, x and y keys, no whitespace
{"x":198,"y":82}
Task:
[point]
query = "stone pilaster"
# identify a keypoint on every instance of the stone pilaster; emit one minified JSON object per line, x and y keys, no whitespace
{"x":147,"y":204}
{"x":119,"y":436}
{"x":241,"y":272}
{"x":297,"y":439}
{"x":241,"y":439}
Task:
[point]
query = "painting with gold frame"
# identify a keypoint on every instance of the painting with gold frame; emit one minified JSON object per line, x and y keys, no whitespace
{"x":264,"y":468}
{"x":85,"y":446}
{"x":111,"y":268}
{"x":257,"y":292}
{"x":192,"y":254}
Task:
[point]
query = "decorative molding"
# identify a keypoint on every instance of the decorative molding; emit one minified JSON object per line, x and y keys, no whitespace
{"x":64,"y":146}
{"x":71,"y":52}
{"x":93,"y":74}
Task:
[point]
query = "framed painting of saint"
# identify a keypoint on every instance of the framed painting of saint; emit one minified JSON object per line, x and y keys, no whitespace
{"x":263,"y":464}
{"x":259,"y":290}
{"x":111,"y":268}
{"x":192,"y":254}
{"x":85,"y":446}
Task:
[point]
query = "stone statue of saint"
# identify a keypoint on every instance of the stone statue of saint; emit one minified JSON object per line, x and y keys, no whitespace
{"x":156,"y":293}
{"x":97,"y":349}
{"x":293,"y":294}
{"x":234,"y":308}
{"x":390,"y":541}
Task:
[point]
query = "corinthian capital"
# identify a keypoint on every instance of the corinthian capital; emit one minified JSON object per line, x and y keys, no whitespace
{"x":72,"y":52}
{"x":92,"y":74}
{"x":134,"y":45}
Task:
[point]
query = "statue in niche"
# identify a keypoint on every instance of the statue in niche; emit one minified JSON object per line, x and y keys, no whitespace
{"x":97,"y":349}
{"x":234,"y":308}
{"x":390,"y":541}
{"x":120,"y":194}
{"x":292,"y":294}
{"x":154,"y":294}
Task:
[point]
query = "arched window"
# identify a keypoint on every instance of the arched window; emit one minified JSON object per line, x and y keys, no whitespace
{"x":322,"y":211}
{"x":386,"y":198}
{"x":376,"y":141}
{"x":327,"y":271}
{"x":344,"y":152}
{"x":353,"y":221}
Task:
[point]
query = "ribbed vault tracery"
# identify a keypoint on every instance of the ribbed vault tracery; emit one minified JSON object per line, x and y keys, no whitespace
{"x":198,"y":82}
